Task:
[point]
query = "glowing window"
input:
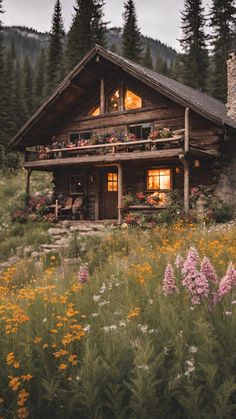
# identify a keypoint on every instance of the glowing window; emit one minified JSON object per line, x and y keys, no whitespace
{"x":114,"y":101}
{"x":112,"y":182}
{"x":159,"y":179}
{"x":95,"y":112}
{"x":132,"y":101}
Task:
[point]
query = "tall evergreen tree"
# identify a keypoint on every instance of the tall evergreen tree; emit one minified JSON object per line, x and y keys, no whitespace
{"x":56,"y":45}
{"x":20,"y":114}
{"x":147,"y":59}
{"x":193,"y":42}
{"x":2,"y":84}
{"x":28,"y":86}
{"x":40,"y":79}
{"x":132,"y":47}
{"x":87,"y":29}
{"x":161,"y":66}
{"x":223,"y":23}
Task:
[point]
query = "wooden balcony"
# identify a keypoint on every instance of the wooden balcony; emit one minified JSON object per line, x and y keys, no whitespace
{"x":161,"y":149}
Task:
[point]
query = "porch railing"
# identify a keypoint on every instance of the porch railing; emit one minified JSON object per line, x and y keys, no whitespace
{"x":175,"y":141}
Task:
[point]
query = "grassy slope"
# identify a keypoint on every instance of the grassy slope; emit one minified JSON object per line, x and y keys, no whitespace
{"x":117,"y":347}
{"x":12,"y":195}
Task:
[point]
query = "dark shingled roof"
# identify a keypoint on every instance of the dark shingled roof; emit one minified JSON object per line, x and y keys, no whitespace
{"x":194,"y":98}
{"x":199,"y":102}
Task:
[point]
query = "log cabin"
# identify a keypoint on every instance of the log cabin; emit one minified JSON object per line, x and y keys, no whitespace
{"x":113,"y":127}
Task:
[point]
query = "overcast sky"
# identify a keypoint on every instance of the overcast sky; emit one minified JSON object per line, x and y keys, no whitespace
{"x":158,"y":19}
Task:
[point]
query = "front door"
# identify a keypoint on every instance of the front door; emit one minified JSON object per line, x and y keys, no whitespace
{"x":108,"y":194}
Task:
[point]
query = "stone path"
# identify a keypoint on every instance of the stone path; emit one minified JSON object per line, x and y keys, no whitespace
{"x":60,"y":237}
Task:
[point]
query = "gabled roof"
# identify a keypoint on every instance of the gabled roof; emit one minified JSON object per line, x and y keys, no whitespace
{"x":199,"y":102}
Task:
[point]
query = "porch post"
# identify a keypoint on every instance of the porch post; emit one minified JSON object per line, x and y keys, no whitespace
{"x":27,"y":189}
{"x":120,"y":193}
{"x":186,"y":162}
{"x":102,"y":97}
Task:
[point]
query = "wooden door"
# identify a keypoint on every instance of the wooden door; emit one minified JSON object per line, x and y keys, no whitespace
{"x":108,"y":194}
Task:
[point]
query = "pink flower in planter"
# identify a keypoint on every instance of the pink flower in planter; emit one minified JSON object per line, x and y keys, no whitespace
{"x":83,"y":274}
{"x":191,"y":262}
{"x":209,"y":271}
{"x":169,"y":283}
{"x":227,"y":282}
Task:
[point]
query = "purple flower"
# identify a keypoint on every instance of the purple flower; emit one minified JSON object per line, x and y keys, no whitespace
{"x":169,"y":283}
{"x":83,"y":274}
{"x":208,"y":270}
{"x":227,"y":282}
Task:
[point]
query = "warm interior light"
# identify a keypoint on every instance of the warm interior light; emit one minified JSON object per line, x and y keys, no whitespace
{"x":197,"y":163}
{"x":112,"y":182}
{"x":177,"y":170}
{"x":132,"y":101}
{"x":159,"y":179}
{"x":96,"y":112}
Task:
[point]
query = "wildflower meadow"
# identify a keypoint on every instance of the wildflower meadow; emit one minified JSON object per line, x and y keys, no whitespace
{"x":143,"y":326}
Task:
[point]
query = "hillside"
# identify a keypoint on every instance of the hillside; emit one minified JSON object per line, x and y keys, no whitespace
{"x":29,"y":42}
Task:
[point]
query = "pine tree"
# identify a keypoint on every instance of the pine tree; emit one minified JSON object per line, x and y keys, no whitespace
{"x":147,"y":59}
{"x":193,"y":42}
{"x":40,"y":79}
{"x":28,"y":86}
{"x":161,"y":66}
{"x":223,"y":23}
{"x":132,"y":48}
{"x":87,"y":29}
{"x":20,"y":114}
{"x":55,"y":52}
{"x":2,"y":84}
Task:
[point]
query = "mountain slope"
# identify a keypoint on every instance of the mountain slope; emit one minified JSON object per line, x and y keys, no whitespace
{"x":29,"y":42}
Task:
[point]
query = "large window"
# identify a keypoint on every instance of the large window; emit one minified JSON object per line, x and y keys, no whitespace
{"x":132,"y":101}
{"x":114,"y":101}
{"x":141,"y":131}
{"x":95,"y":111}
{"x":82,"y":135}
{"x":159,"y":179}
{"x":112,"y":182}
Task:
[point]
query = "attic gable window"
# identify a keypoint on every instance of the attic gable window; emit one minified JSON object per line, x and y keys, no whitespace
{"x":95,"y":111}
{"x":114,"y":101}
{"x":132,"y":101}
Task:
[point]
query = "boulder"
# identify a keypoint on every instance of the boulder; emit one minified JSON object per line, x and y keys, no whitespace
{"x":54,"y":231}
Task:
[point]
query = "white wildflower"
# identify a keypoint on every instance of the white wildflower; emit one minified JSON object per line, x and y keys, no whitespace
{"x":193,"y":349}
{"x":123,"y":324}
{"x":143,"y":367}
{"x":166,"y":350}
{"x":104,"y":303}
{"x":228,"y":313}
{"x":95,"y":314}
{"x":45,"y":320}
{"x":96,"y":298}
{"x":87,"y":328}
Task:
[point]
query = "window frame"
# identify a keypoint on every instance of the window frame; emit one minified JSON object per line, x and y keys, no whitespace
{"x":125,"y":90}
{"x":82,"y":177}
{"x":79,"y":135}
{"x":159,"y":168}
{"x":113,"y":181}
{"x":141,"y":125}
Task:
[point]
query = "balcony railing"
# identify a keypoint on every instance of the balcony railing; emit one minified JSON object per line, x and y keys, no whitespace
{"x":45,"y":153}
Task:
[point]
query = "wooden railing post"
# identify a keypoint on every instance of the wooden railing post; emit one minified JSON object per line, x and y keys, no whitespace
{"x":102,"y":97}
{"x":120,"y":192}
{"x":184,"y":160}
{"x":27,"y":190}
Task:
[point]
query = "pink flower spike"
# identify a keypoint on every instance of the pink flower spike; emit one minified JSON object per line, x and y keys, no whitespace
{"x":191,"y":262}
{"x":83,"y":274}
{"x":169,"y":283}
{"x":179,"y":262}
{"x":227,"y":282}
{"x":208,"y":270}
